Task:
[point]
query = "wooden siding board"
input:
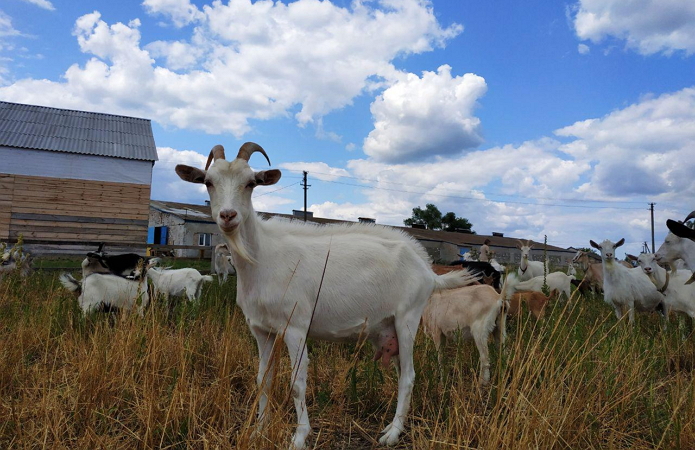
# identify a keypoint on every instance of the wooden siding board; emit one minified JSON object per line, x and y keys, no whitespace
{"x":6,"y":199}
{"x":78,"y":219}
{"x":74,"y":210}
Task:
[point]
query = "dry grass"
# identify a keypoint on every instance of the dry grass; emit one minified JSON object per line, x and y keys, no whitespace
{"x":186,"y":379}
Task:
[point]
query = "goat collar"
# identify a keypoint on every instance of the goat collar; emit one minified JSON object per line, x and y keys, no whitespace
{"x":665,"y":286}
{"x":523,"y":271}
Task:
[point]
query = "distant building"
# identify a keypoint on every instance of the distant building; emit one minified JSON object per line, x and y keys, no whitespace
{"x":186,"y":224}
{"x":74,"y":176}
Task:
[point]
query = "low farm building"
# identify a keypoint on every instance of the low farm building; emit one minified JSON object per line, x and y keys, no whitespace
{"x":187,"y":224}
{"x":73,"y":177}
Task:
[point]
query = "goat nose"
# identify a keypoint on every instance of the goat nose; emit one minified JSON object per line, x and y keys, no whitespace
{"x":228,"y":215}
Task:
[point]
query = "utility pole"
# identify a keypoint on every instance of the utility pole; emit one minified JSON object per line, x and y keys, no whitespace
{"x":306,"y":187}
{"x":651,"y":208}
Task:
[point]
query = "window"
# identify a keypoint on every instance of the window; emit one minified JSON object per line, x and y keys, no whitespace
{"x":204,"y":239}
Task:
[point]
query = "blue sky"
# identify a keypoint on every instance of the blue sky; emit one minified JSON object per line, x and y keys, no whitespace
{"x":528,"y":118}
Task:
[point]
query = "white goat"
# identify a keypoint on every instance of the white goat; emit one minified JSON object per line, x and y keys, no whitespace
{"x":675,"y":247}
{"x":678,"y":296}
{"x":497,"y":266}
{"x":571,"y":271}
{"x":222,"y":263}
{"x":178,"y":282}
{"x":623,"y":288}
{"x":100,"y":289}
{"x":556,"y":281}
{"x":475,"y":311}
{"x":297,"y":280}
{"x":529,"y":269}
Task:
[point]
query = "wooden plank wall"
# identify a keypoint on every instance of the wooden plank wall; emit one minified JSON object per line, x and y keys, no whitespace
{"x":63,"y":209}
{"x":6,"y":183}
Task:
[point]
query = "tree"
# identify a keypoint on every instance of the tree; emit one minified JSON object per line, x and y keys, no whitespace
{"x":452,"y":223}
{"x":433,"y":219}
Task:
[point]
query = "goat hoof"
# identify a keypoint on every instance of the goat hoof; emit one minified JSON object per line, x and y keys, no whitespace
{"x":391,"y":434}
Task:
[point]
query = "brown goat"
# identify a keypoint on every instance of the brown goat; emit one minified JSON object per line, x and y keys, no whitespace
{"x":535,"y":301}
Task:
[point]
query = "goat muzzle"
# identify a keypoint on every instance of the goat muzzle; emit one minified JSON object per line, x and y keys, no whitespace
{"x":250,"y":148}
{"x":216,"y":153}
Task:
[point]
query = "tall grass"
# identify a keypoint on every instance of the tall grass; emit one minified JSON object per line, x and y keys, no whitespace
{"x":186,"y":379}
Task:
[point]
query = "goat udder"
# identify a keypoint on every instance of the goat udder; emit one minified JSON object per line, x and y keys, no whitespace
{"x":387,"y":348}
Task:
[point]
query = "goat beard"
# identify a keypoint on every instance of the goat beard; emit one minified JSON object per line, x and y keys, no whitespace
{"x":238,"y":246}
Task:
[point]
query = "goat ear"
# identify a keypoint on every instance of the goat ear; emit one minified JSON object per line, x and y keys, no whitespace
{"x":619,"y":243}
{"x":595,"y":245}
{"x":190,"y":174}
{"x":518,"y":245}
{"x":268,"y":177}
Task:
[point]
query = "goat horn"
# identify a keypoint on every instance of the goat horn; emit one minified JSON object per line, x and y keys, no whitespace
{"x":248,"y":149}
{"x":216,"y":153}
{"x":690,"y":216}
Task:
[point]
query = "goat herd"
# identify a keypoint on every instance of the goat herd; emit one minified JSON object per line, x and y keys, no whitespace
{"x":299,"y":280}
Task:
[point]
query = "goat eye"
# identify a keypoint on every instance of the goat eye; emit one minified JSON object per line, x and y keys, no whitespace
{"x":251,"y":185}
{"x":208,"y":184}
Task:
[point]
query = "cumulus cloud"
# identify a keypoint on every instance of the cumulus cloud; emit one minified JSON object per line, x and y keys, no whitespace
{"x":643,"y":149}
{"x":242,"y":61}
{"x":647,"y":26}
{"x":419,"y":118}
{"x":551,"y":186}
{"x":180,"y":12}
{"x":319,"y":170}
{"x":45,"y":4}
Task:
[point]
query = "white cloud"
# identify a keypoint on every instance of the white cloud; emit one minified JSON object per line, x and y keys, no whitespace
{"x":45,"y":4}
{"x":244,"y":61}
{"x":6,"y":28}
{"x":647,"y":26}
{"x":419,"y":118}
{"x":319,"y":170}
{"x":583,"y":49}
{"x":178,"y":55}
{"x":643,"y":149}
{"x":180,"y":12}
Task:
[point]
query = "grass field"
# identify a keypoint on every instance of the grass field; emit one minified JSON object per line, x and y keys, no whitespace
{"x":186,"y":379}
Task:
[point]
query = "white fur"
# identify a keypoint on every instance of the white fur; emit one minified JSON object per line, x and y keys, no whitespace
{"x":474,"y":311}
{"x":529,"y":269}
{"x":678,"y":296}
{"x":623,"y":288}
{"x":97,"y":289}
{"x":222,"y":263}
{"x":556,"y":281}
{"x":178,"y":282}
{"x":377,"y":282}
{"x":675,"y":248}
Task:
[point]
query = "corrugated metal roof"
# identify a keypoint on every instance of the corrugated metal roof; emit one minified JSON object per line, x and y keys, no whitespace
{"x":83,"y":132}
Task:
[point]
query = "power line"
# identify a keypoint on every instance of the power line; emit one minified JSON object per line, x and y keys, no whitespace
{"x":485,"y":193}
{"x":270,"y":192}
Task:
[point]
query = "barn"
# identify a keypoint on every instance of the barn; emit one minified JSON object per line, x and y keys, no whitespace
{"x":73,"y":177}
{"x":187,"y":224}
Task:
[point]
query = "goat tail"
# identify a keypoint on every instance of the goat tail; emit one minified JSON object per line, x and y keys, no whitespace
{"x":501,"y":322}
{"x":455,"y":279}
{"x":208,"y":278}
{"x":70,"y":283}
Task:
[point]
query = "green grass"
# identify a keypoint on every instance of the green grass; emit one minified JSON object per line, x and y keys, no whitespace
{"x":185,"y":378}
